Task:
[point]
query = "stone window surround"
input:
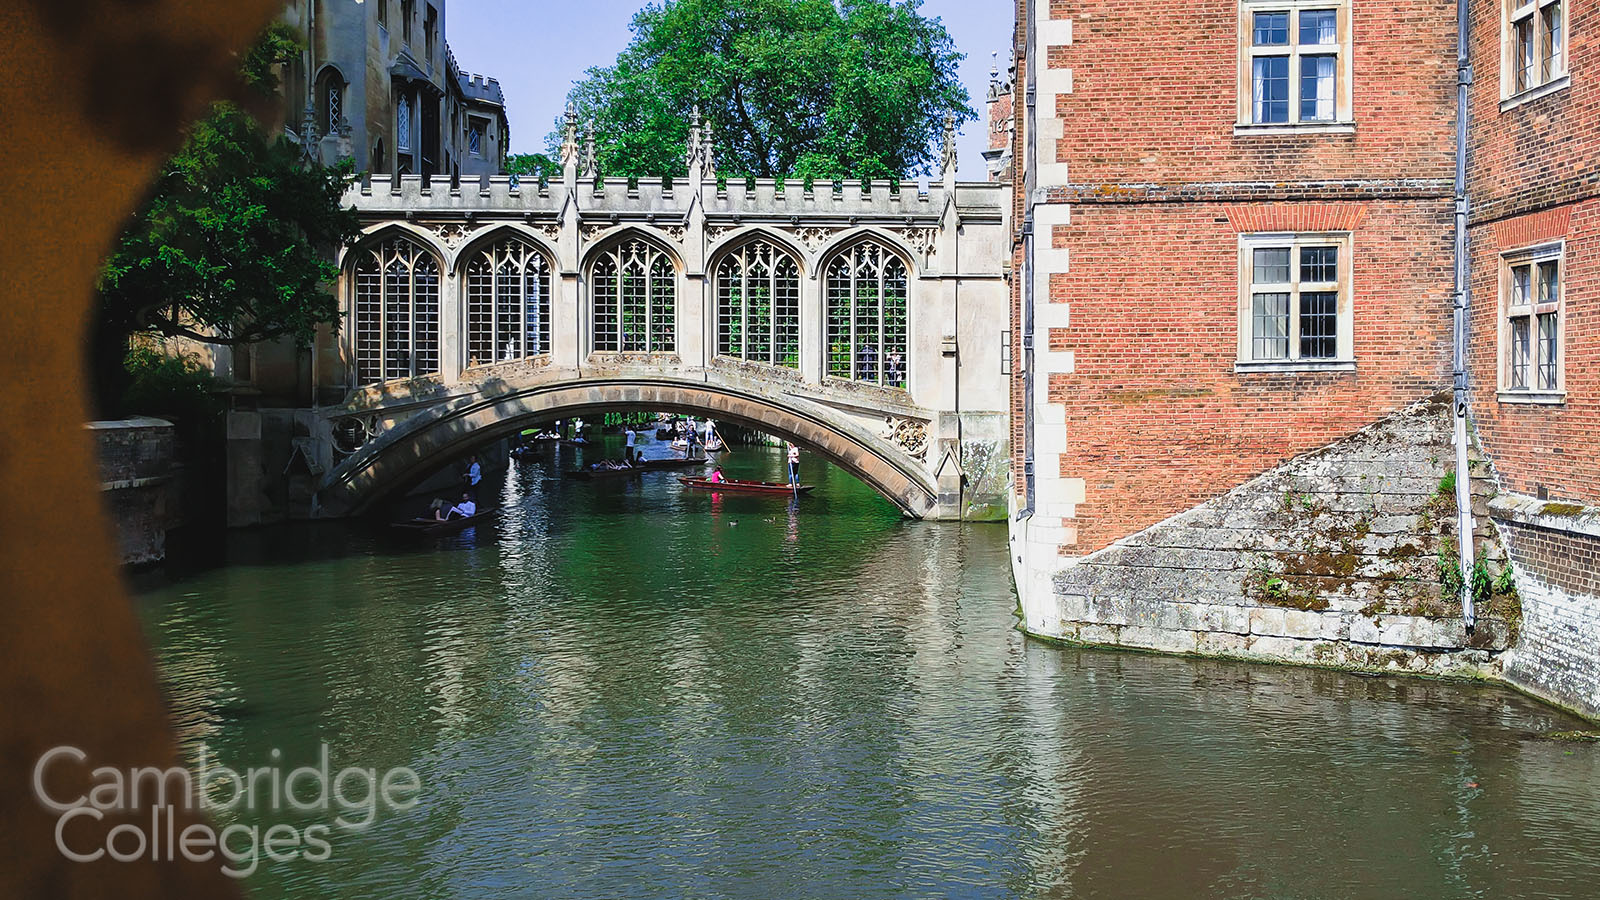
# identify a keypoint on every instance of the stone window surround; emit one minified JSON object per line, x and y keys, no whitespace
{"x":1343,"y":121}
{"x":733,"y":267}
{"x":1549,"y":251}
{"x":1512,"y":11}
{"x":1344,"y":356}
{"x":649,"y":253}
{"x":482,"y":291}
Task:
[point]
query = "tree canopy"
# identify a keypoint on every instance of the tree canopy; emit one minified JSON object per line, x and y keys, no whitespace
{"x":802,"y":88}
{"x":234,"y":245}
{"x":537,"y":165}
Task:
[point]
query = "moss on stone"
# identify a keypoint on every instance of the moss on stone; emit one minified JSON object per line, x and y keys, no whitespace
{"x":1562,"y":509}
{"x":1582,"y":737}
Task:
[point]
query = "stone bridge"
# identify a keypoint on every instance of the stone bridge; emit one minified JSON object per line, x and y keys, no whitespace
{"x":865,"y":321}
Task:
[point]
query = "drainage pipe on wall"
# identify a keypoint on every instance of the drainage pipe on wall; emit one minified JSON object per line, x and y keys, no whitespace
{"x":1027,"y":183}
{"x":1463,"y":306}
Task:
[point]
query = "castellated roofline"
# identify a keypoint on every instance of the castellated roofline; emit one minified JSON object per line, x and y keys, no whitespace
{"x":852,"y":202}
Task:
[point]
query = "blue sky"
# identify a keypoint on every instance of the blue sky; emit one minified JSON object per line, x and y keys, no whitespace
{"x":537,"y":48}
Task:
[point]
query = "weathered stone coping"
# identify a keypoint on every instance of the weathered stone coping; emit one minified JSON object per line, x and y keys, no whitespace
{"x":1464,"y":670}
{"x":1554,"y":515}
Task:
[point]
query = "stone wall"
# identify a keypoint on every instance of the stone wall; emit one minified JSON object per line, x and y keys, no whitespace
{"x":1333,"y":558}
{"x":137,"y":468}
{"x":1555,"y":553}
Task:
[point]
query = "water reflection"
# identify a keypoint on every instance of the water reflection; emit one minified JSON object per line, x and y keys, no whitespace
{"x":630,"y":689}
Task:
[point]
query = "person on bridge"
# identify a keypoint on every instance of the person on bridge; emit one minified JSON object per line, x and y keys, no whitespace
{"x":466,"y":509}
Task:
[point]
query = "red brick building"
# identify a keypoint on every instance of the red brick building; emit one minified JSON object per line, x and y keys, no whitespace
{"x":1535,"y":349}
{"x":1233,"y":319}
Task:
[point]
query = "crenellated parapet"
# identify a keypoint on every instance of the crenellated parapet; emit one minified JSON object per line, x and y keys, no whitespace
{"x":879,"y":202}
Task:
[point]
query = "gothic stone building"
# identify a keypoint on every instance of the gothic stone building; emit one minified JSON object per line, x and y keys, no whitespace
{"x":1232,"y":413}
{"x":378,"y":83}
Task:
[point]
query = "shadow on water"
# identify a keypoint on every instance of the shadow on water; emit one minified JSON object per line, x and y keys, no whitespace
{"x":635,"y":690}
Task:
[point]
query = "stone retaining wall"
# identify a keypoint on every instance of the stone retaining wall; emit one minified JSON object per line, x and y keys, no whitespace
{"x":1332,"y":558}
{"x":137,"y":463}
{"x":1555,"y":551}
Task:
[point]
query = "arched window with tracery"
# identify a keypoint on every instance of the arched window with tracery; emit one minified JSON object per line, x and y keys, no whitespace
{"x":508,"y":302}
{"x":635,"y":292}
{"x":866,"y":315}
{"x":396,"y":311}
{"x":758,"y":305}
{"x":330,"y":101}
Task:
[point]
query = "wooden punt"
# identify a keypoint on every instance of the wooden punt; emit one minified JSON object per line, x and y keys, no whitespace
{"x":435,"y":526}
{"x":744,"y":487}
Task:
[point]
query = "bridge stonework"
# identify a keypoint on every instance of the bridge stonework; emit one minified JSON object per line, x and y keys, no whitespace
{"x":906,"y":388}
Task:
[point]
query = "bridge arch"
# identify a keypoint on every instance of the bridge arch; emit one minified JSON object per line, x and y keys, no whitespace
{"x":414,"y":448}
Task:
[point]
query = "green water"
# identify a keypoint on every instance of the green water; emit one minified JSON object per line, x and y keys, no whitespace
{"x":634,"y":691}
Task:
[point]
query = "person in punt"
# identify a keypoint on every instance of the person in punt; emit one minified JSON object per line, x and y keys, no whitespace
{"x":466,"y":509}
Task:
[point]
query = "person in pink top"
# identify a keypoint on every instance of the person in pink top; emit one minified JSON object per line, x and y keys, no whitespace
{"x":716,"y":476}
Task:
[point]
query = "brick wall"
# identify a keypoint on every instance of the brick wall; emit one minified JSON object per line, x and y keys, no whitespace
{"x":1543,"y":152}
{"x":1559,"y":579}
{"x":1157,"y":419}
{"x":1553,"y":448}
{"x":1155,"y":94}
{"x":1535,"y":178}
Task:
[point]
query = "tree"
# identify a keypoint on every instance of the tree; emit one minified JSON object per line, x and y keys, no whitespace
{"x":803,"y":88}
{"x":537,"y":165}
{"x":235,"y":244}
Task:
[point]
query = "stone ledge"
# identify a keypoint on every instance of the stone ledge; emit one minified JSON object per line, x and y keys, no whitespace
{"x":1342,"y":655}
{"x":1158,"y":622}
{"x":1553,"y":515}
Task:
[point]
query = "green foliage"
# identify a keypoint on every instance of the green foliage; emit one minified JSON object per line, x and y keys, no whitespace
{"x":278,"y":45}
{"x":537,"y":165}
{"x":1505,"y":584}
{"x":173,"y":387}
{"x":233,"y":245}
{"x":1482,"y":584}
{"x":1450,"y":581}
{"x":1447,"y":484}
{"x":807,"y":88}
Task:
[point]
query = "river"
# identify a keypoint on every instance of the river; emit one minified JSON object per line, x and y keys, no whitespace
{"x":634,"y":690}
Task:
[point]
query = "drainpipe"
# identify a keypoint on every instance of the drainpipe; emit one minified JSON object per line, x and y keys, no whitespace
{"x":1463,"y":306}
{"x":1027,"y":186}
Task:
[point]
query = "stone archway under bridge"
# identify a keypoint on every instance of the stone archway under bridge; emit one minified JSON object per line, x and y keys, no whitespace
{"x":921,"y":478}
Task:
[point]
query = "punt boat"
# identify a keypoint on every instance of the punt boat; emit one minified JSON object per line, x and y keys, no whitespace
{"x":744,"y":487}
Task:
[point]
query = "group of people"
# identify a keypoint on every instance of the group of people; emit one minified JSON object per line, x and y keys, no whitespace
{"x":467,"y":506}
